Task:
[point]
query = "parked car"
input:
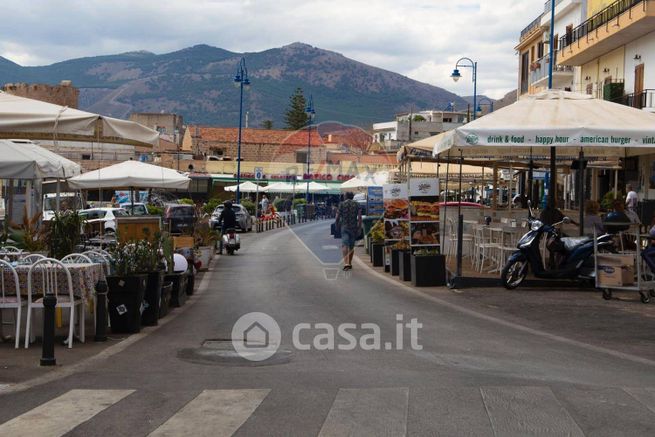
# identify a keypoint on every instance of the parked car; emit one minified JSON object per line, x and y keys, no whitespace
{"x":139,"y":208}
{"x":67,"y":201}
{"x":244,"y":219}
{"x":180,"y":217}
{"x":103,"y":215}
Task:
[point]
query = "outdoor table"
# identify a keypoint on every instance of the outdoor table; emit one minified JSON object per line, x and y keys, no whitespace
{"x":12,"y":256}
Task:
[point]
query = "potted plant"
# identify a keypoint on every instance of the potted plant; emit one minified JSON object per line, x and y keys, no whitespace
{"x":428,"y":268}
{"x":126,"y":288}
{"x":167,"y":288}
{"x":150,"y":257}
{"x":64,"y":233}
{"x":396,"y":250}
{"x":29,"y":235}
{"x":377,"y":244}
{"x":205,"y":239}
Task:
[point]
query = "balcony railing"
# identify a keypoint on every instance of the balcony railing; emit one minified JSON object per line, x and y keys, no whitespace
{"x":644,"y":99}
{"x":539,"y":69}
{"x":598,"y":20}
{"x":530,"y":27}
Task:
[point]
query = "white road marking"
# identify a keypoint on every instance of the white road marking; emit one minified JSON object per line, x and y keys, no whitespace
{"x":62,"y":414}
{"x":523,"y":411}
{"x":213,"y":413}
{"x":330,"y":247}
{"x":368,"y":412}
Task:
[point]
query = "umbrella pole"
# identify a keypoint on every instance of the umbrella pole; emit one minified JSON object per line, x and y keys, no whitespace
{"x":552,"y":189}
{"x":58,"y":200}
{"x":256,"y":202}
{"x":581,"y":178}
{"x":460,"y":220}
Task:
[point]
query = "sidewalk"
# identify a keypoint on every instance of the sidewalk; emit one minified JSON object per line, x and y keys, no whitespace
{"x":622,"y":324}
{"x":22,"y":365}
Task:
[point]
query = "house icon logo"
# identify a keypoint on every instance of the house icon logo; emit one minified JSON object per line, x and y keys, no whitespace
{"x":256,"y":336}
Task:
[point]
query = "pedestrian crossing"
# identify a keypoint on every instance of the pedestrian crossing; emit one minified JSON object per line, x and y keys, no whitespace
{"x":509,"y":410}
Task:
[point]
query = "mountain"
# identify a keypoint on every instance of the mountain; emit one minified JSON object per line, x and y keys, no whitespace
{"x":197,"y":83}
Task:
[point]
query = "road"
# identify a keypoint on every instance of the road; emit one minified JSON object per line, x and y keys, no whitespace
{"x":472,"y":375}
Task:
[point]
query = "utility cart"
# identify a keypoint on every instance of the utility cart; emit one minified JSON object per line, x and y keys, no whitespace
{"x":625,"y":270}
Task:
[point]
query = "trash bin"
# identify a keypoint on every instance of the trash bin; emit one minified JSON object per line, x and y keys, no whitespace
{"x":125,"y":302}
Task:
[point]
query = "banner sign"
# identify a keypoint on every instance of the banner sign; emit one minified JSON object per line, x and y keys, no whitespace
{"x":396,"y":212}
{"x":424,"y":212}
{"x":375,"y":201}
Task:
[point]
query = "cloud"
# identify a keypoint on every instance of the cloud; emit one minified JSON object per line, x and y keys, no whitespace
{"x":422,"y":40}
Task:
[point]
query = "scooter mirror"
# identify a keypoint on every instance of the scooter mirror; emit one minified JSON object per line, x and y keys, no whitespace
{"x":566,"y":220}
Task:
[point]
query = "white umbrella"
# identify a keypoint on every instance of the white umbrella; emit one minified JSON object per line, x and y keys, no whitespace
{"x":21,"y":117}
{"x":364,"y":180}
{"x":26,"y":160}
{"x":570,"y":122}
{"x":315,"y":187}
{"x":245,"y":187}
{"x":131,"y":174}
{"x":281,"y":187}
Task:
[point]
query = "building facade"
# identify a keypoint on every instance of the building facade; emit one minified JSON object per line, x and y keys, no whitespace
{"x":410,"y":127}
{"x":64,"y":94}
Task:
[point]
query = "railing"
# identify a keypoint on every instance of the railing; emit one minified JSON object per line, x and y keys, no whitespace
{"x":548,"y":3}
{"x":598,"y":20}
{"x":541,"y":69}
{"x":644,"y":99}
{"x":530,"y":27}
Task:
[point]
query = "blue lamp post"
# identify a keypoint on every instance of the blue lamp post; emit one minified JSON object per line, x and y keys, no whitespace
{"x":457,"y":76}
{"x":487,"y":102}
{"x":311,"y":113}
{"x":240,"y":80}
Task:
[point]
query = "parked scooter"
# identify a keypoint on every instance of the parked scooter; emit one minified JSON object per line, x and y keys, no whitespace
{"x":230,"y":241}
{"x":574,"y":257}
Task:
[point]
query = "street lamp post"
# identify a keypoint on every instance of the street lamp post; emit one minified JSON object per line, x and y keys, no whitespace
{"x":309,"y":110}
{"x":457,"y":76}
{"x":487,"y":102}
{"x":241,"y":80}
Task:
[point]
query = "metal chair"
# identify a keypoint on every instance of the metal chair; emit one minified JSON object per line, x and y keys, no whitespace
{"x":10,"y":301}
{"x":76,"y":258}
{"x":50,"y":270}
{"x":31,"y":259}
{"x":99,"y":258}
{"x":10,"y":249}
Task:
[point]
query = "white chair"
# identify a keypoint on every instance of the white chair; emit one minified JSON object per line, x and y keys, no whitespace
{"x":483,"y":247}
{"x":76,"y":258}
{"x":100,"y":258}
{"x":10,"y":301}
{"x":31,"y":259}
{"x":467,"y":240}
{"x":50,"y":271}
{"x":10,"y":249}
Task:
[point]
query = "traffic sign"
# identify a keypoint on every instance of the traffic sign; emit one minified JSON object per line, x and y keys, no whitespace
{"x":259,"y":173}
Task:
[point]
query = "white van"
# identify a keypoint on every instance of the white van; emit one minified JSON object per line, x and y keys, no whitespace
{"x":67,"y":201}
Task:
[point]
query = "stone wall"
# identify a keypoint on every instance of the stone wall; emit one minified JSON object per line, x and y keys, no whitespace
{"x":63,"y":94}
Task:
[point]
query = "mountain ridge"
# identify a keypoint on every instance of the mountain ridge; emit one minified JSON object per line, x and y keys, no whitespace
{"x":197,"y":83}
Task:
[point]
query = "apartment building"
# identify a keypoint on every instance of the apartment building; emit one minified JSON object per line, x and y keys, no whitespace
{"x":534,"y":49}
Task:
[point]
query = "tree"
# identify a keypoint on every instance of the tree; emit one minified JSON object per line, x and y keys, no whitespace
{"x":267,"y":124}
{"x":296,"y":118}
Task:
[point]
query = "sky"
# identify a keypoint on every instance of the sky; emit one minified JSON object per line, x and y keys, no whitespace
{"x":419,"y":39}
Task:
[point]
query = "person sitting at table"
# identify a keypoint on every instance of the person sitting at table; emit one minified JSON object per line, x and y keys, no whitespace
{"x":593,"y":221}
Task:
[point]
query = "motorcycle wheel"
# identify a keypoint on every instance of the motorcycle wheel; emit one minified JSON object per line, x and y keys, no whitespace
{"x":607,"y":294}
{"x":514,"y":273}
{"x":230,"y":251}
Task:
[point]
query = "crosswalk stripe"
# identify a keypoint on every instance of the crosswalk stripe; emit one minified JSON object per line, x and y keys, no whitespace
{"x":367,"y":412}
{"x":213,"y":413}
{"x":521,"y":411}
{"x":62,"y":414}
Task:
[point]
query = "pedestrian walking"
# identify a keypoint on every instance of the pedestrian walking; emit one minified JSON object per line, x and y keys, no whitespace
{"x":264,"y":204}
{"x":631,"y":199}
{"x":349,"y":219}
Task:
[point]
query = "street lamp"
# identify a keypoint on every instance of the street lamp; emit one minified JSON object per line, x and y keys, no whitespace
{"x":457,"y":76}
{"x":240,"y":80}
{"x":487,"y":102}
{"x":311,"y":113}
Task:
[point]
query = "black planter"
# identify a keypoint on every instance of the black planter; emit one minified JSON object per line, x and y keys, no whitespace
{"x":152,"y":298}
{"x":377,"y":254}
{"x":165,"y":302}
{"x":405,"y":265}
{"x":370,"y":250}
{"x":428,"y":271}
{"x":387,"y":260}
{"x":178,"y":293}
{"x":395,"y":262}
{"x":125,"y":300}
{"x":190,"y":283}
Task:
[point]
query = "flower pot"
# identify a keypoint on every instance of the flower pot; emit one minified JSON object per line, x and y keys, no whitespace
{"x":206,"y":254}
{"x":428,"y":271}
{"x":395,"y":262}
{"x":165,"y":302}
{"x":405,"y":265}
{"x":178,"y":292}
{"x":377,"y":254}
{"x":152,"y":298}
{"x":125,"y":302}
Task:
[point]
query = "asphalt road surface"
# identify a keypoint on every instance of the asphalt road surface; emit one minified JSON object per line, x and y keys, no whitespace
{"x":465,"y":374}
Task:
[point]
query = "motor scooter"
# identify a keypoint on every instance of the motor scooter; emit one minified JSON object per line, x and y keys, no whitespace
{"x":574,"y":256}
{"x":230,"y":241}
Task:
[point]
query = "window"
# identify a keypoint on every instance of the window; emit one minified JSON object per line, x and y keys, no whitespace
{"x":540,"y":50}
{"x":556,"y":42}
{"x":86,"y":157}
{"x":301,"y":157}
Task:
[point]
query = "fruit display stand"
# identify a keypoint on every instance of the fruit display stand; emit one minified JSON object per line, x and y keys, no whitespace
{"x":625,"y":270}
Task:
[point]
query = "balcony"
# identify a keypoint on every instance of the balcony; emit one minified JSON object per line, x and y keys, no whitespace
{"x":561,"y":7}
{"x":562,"y":74}
{"x":531,"y":29}
{"x":618,"y":24}
{"x":644,"y":100}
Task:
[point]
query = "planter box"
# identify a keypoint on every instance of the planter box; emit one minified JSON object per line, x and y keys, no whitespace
{"x":377,"y":254}
{"x":428,"y":271}
{"x":190,"y":284}
{"x":125,"y":302}
{"x":206,"y":254}
{"x":178,"y":293}
{"x":395,"y":262}
{"x":152,"y":298}
{"x":165,"y":302}
{"x":405,"y":265}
